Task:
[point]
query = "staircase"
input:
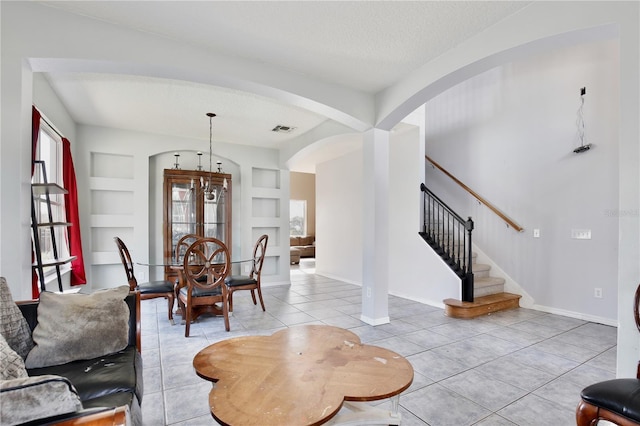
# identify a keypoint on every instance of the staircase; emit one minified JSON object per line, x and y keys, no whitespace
{"x":489,"y":295}
{"x":450,"y":237}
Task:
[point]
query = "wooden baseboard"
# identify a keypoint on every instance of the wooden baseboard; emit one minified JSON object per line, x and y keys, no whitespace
{"x":481,"y":305}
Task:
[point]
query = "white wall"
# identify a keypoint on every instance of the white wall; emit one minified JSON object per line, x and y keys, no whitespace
{"x":509,"y":134}
{"x":339,"y":218}
{"x":138,"y":191}
{"x":48,"y":103}
{"x":112,"y":170}
{"x":415,"y":271}
{"x":540,"y":27}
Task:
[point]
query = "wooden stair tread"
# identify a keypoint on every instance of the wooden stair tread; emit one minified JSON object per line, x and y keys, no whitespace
{"x":484,"y":300}
{"x":481,"y":305}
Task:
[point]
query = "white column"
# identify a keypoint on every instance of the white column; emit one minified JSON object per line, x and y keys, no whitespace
{"x":629,"y":198}
{"x":15,"y":176}
{"x":375,"y":231}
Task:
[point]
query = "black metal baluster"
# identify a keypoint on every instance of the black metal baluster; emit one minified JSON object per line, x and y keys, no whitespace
{"x":449,"y":235}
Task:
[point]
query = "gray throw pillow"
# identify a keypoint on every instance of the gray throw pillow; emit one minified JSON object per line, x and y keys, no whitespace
{"x":79,"y":326}
{"x":12,"y":364}
{"x":30,"y":398}
{"x":13,"y":326}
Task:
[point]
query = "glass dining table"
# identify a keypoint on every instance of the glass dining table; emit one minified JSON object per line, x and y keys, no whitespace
{"x":171,"y":263}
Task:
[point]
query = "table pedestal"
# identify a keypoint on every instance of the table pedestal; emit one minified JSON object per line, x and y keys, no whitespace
{"x":361,"y":413}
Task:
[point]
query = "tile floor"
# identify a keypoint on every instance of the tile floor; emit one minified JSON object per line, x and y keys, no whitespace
{"x":519,"y":367}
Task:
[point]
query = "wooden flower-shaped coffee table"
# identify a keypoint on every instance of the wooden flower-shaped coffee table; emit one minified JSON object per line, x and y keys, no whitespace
{"x":301,"y":376}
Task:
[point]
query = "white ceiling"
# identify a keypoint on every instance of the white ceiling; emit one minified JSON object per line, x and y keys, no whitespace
{"x":361,"y":45}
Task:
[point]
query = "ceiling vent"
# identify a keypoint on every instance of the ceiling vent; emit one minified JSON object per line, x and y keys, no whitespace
{"x":283,"y":129}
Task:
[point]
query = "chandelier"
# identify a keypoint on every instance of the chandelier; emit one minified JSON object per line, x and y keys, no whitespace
{"x":212,"y":192}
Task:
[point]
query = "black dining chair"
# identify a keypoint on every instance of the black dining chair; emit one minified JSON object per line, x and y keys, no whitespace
{"x":147,"y":290}
{"x":250,"y":282}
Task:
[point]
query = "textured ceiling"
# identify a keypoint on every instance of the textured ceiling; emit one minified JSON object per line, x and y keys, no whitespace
{"x":178,"y":108}
{"x":367,"y":45}
{"x":361,"y":45}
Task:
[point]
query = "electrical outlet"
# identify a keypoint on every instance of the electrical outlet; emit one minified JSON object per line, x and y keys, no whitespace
{"x":581,"y":234}
{"x":597,"y":293}
{"x":536,"y":233}
{"x":368,"y":291}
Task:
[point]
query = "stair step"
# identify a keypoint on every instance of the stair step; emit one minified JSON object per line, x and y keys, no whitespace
{"x":481,"y":305}
{"x":485,"y":286}
{"x":481,"y":270}
{"x":487,"y":281}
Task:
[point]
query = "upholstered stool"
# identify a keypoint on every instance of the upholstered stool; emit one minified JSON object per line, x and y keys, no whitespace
{"x":294,"y":255}
{"x":616,"y":400}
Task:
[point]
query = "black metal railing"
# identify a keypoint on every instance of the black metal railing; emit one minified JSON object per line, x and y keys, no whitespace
{"x":450,"y":236}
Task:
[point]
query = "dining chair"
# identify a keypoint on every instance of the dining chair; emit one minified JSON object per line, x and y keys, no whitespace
{"x":616,"y":400}
{"x":181,"y":247}
{"x":252,"y":281}
{"x":178,"y":258}
{"x":206,"y":264}
{"x":147,"y":290}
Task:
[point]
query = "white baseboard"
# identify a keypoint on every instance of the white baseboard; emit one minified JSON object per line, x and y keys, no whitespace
{"x":429,"y":302}
{"x":377,"y":321}
{"x":276,"y":284}
{"x":337,"y":278}
{"x":576,"y":315}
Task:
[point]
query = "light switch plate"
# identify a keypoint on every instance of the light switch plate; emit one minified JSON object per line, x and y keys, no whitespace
{"x":536,"y":233}
{"x":581,"y":234}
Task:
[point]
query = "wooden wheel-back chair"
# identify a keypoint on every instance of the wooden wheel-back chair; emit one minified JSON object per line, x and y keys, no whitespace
{"x":148,"y":290}
{"x":252,"y":281}
{"x":617,"y":400}
{"x":178,"y":258}
{"x":181,"y":247}
{"x":206,"y":264}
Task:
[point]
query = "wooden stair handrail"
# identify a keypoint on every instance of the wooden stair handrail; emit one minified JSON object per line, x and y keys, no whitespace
{"x":491,"y":207}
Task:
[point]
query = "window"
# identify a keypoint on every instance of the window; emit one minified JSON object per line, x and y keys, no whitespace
{"x":50,"y":151}
{"x":298,"y":217}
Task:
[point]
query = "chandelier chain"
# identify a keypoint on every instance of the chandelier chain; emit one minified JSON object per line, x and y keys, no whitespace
{"x":210,"y":144}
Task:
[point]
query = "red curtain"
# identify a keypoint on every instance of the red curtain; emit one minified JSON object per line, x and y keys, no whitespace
{"x":78,"y":276}
{"x":35,"y":131}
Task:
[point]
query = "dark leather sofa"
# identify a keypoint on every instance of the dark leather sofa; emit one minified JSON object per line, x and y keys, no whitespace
{"x":104,"y":383}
